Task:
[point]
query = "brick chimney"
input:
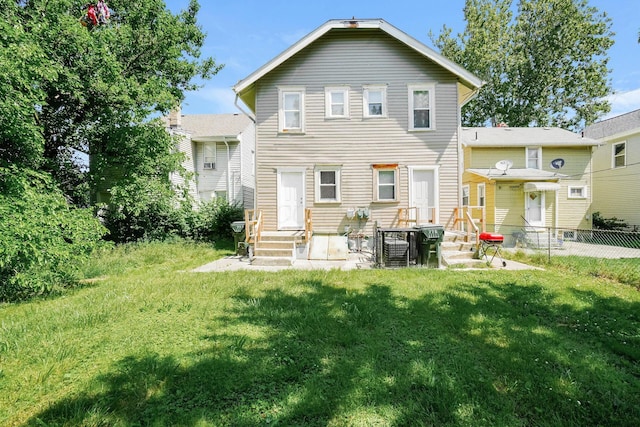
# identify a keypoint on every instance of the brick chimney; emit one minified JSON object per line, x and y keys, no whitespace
{"x":175,"y":118}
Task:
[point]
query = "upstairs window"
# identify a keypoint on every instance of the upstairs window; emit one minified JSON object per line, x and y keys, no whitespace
{"x":291,"y":110}
{"x":620,"y":154}
{"x":534,"y":158}
{"x":336,"y":102}
{"x":374,"y":101}
{"x":421,"y":107}
{"x":209,"y":156}
{"x":386,"y":183}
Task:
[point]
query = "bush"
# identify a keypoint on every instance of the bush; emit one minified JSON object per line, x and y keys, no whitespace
{"x":602,"y":223}
{"x":146,"y":209}
{"x":213,"y":220}
{"x":43,"y":240}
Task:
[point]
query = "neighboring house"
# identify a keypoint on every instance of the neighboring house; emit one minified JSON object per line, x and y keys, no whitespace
{"x":219,"y":151}
{"x":528,"y":178}
{"x":616,"y":167}
{"x":356,"y":117}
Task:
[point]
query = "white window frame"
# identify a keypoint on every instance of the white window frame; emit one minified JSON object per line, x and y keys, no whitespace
{"x":376,"y":184}
{"x":329,"y":101}
{"x":538,"y":151}
{"x":465,"y":195}
{"x":582,"y":195}
{"x":623,"y":155}
{"x":422,"y":88}
{"x":283,"y":92}
{"x":336,"y":169}
{"x":482,"y":194}
{"x":209,"y":162}
{"x":366,"y":94}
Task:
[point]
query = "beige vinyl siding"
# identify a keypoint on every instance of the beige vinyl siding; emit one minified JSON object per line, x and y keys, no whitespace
{"x":572,"y":213}
{"x":486,"y":158}
{"x":369,"y":57}
{"x":509,"y":201}
{"x":616,"y":189}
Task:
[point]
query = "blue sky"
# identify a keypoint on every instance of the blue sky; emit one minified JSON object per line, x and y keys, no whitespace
{"x":246,"y":34}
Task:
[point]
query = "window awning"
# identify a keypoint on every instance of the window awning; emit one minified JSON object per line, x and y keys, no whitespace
{"x":541,"y":186}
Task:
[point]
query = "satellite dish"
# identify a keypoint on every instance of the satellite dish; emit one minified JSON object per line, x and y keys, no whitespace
{"x":557,"y":163}
{"x":504,"y":166}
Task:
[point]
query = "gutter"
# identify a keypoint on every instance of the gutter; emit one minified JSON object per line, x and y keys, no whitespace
{"x":235,"y":102}
{"x":230,"y":195}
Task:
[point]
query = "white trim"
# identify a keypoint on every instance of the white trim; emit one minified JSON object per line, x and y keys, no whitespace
{"x":467,"y":78}
{"x":366,"y":90}
{"x":613,"y":154}
{"x":431,"y":88}
{"x":328,"y":101}
{"x":530,"y":187}
{"x":582,"y":196}
{"x":338,"y":176}
{"x":376,"y":184}
{"x":539,"y":157}
{"x":484,"y":194}
{"x":436,"y":187}
{"x":290,"y":90}
{"x":465,"y":187}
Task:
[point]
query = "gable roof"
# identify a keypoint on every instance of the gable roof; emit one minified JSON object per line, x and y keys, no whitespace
{"x":470,"y":83}
{"x":622,"y":125}
{"x":523,"y":137}
{"x":211,"y":127}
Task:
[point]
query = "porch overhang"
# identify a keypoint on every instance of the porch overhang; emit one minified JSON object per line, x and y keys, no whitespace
{"x":541,"y":186}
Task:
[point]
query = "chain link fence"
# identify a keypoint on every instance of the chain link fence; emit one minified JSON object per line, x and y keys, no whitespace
{"x":567,"y":241}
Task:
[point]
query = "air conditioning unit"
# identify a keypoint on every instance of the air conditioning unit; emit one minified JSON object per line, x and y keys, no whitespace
{"x":209,"y":165}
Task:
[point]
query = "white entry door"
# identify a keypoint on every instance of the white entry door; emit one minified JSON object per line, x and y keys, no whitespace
{"x":535,"y":208}
{"x":290,"y":200}
{"x":423,"y":193}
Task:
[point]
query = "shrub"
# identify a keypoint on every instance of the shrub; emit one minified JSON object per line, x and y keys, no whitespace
{"x":43,"y":240}
{"x":213,"y":220}
{"x":613,"y":223}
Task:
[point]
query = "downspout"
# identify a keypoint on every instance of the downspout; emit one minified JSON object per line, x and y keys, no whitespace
{"x":229,"y":193}
{"x":235,"y":102}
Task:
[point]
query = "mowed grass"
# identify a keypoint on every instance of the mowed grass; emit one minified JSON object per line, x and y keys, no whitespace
{"x":150,"y":343}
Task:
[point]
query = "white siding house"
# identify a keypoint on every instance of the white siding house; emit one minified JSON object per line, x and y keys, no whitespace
{"x":356,"y":116}
{"x":219,"y":152}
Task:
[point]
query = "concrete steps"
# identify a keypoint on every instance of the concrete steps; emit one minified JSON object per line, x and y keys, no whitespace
{"x":456,"y":252}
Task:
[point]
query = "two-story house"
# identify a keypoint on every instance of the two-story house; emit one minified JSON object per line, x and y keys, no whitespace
{"x":616,"y":167}
{"x":353,"y":122}
{"x":219,"y":153}
{"x":528,"y":178}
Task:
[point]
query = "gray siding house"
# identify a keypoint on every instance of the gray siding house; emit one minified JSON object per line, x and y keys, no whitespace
{"x":353,"y":122}
{"x":219,"y":151}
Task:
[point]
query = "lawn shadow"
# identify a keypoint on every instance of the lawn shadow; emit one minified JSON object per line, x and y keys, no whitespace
{"x":316,"y":352}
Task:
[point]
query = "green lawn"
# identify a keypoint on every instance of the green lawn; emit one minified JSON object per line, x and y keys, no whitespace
{"x":148,"y":343}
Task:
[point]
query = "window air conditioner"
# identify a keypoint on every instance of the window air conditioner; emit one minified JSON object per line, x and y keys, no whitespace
{"x":209,"y":165}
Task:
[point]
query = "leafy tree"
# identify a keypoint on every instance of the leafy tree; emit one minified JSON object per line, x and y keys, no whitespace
{"x":545,"y":66}
{"x":88,"y":89}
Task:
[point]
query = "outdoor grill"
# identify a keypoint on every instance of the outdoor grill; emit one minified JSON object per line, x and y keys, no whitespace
{"x":494,"y":241}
